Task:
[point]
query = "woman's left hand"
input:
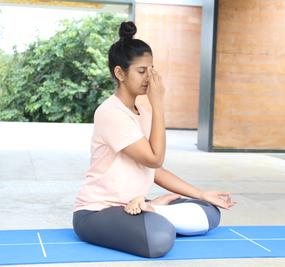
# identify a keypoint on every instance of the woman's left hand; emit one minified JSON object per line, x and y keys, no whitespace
{"x":219,"y":199}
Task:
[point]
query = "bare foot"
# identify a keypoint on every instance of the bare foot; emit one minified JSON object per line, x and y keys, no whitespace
{"x":145,"y":206}
{"x":165,"y":199}
{"x":137,"y":205}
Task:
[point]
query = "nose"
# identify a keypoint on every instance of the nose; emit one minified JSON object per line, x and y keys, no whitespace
{"x":147,"y":77}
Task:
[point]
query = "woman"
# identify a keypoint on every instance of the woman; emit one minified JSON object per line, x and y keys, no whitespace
{"x":128,"y":149}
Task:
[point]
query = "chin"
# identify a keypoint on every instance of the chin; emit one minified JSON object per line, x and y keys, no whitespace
{"x":142,"y":93}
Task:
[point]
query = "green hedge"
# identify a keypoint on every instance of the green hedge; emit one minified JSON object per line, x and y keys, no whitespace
{"x":62,"y":79}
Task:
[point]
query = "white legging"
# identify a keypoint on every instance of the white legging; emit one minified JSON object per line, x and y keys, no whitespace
{"x":190,"y":217}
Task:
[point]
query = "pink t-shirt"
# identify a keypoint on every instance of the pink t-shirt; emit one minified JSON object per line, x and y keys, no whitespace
{"x":113,"y":178}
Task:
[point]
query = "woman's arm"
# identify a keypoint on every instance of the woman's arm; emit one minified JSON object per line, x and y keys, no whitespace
{"x":151,"y":153}
{"x":173,"y":183}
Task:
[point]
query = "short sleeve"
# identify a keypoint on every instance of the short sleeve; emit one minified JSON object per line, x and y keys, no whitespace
{"x":118,"y":129}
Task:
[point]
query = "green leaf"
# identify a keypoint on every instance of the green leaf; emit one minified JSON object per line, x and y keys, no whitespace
{"x":62,"y":79}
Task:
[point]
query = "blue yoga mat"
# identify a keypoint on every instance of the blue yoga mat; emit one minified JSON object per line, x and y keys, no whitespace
{"x":62,"y":245}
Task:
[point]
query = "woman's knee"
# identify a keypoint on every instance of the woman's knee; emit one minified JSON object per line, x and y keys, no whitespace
{"x":160,"y":235}
{"x":148,"y":234}
{"x":213,"y":215}
{"x":210,"y":214}
{"x":78,"y":223}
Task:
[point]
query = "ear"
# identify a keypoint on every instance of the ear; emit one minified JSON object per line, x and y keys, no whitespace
{"x":119,"y":73}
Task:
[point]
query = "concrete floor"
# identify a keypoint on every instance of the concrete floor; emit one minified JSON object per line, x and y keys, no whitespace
{"x":42,"y":166}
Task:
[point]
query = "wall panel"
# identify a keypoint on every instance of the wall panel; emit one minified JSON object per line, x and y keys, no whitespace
{"x":173,"y":32}
{"x":249,"y":107}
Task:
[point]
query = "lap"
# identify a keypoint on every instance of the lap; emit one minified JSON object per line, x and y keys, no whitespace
{"x":147,"y":234}
{"x":190,"y":216}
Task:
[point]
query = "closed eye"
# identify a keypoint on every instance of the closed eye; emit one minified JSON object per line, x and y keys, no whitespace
{"x":141,"y":70}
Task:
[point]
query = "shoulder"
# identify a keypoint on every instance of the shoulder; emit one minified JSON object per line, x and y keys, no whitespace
{"x":109,"y":111}
{"x":105,"y":105}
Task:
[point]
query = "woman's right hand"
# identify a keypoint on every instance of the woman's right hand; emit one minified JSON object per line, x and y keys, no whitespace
{"x":156,"y":89}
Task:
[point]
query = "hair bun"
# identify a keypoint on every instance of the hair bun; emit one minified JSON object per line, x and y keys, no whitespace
{"x":127,"y":30}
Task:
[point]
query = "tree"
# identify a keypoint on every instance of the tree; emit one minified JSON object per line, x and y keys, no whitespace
{"x":62,"y":79}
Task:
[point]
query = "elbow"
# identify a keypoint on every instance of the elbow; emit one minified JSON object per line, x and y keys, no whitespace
{"x":156,"y":163}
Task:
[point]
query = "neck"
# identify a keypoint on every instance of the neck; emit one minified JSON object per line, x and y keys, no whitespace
{"x":126,"y":98}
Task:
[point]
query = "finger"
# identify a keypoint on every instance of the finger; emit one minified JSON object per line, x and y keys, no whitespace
{"x":229,"y":205}
{"x":224,"y":194}
{"x":155,"y":75}
{"x":223,"y":204}
{"x":150,"y":72}
{"x":150,"y":80}
{"x":228,"y":200}
{"x":153,"y":72}
{"x":147,"y":90}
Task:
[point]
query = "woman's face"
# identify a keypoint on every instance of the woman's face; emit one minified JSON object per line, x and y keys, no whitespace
{"x":136,"y":78}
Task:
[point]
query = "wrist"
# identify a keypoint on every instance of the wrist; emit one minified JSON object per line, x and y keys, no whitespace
{"x":157,"y":103}
{"x":200,"y":195}
{"x":158,"y":110}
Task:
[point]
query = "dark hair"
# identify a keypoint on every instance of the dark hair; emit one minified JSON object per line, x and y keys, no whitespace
{"x":123,"y":52}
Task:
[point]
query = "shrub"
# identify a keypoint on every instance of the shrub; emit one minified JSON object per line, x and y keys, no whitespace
{"x":62,"y":79}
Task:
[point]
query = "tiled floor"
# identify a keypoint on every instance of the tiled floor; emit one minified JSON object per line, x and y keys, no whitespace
{"x":42,"y":166}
